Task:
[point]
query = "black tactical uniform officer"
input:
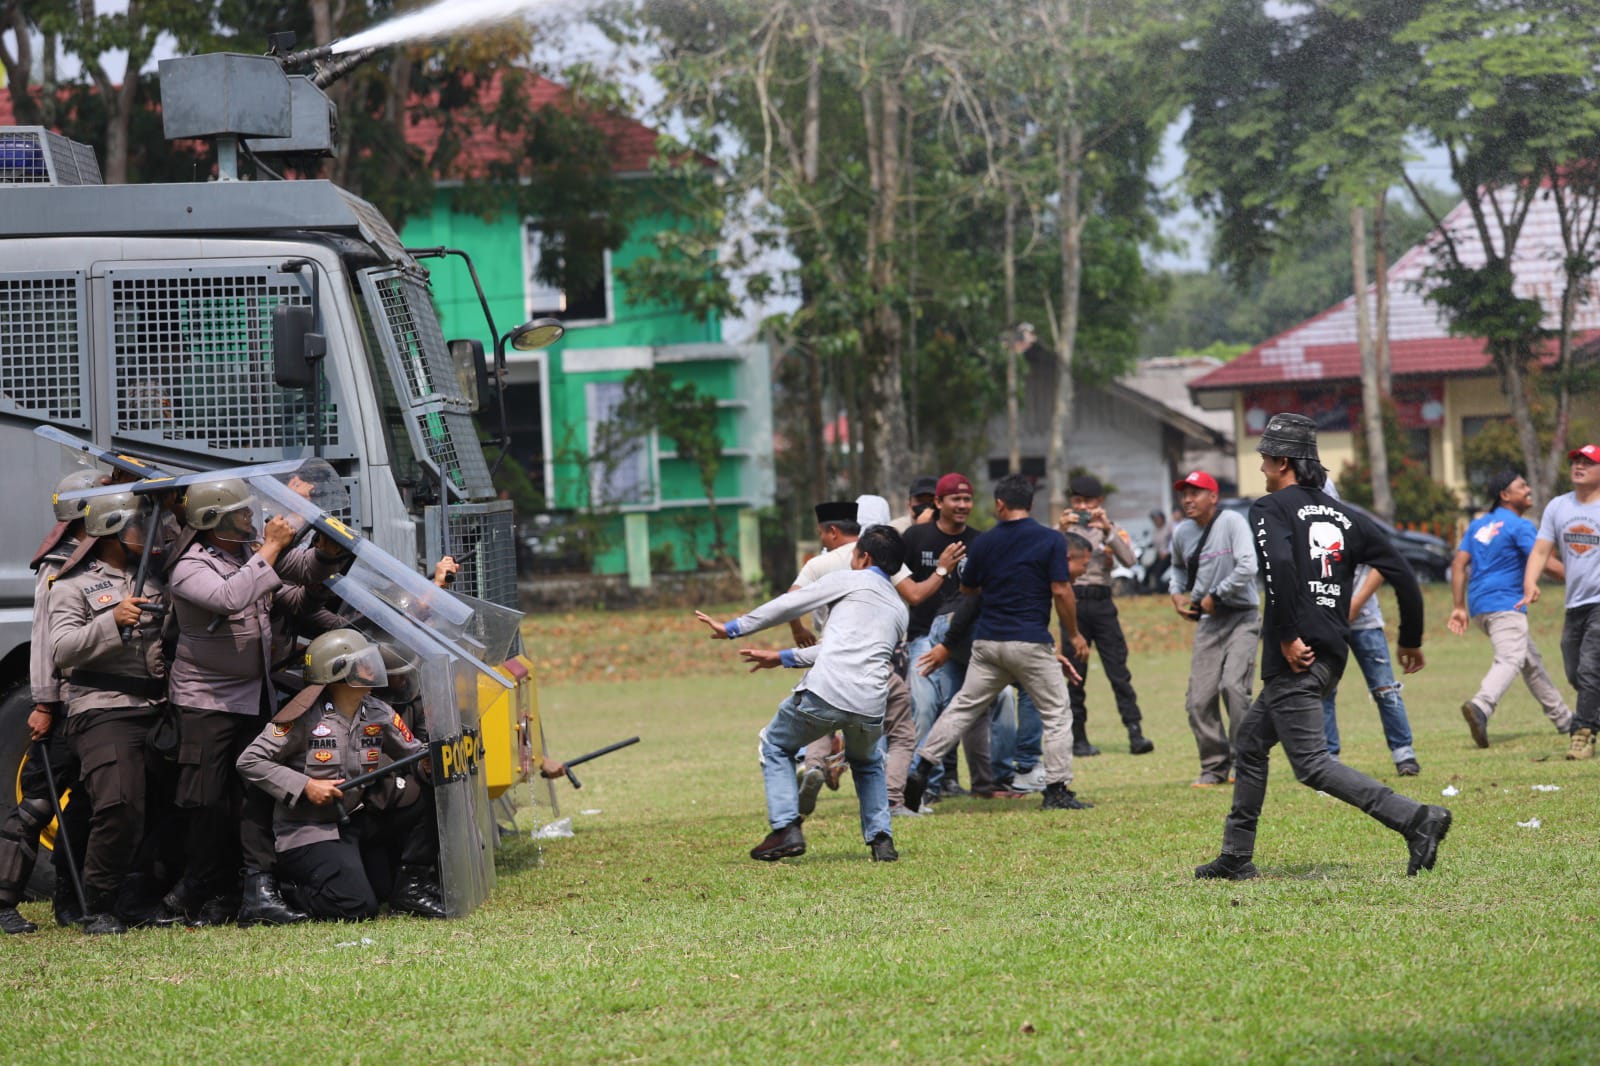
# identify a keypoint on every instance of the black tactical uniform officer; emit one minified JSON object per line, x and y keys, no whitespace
{"x":332,"y":731}
{"x":19,"y":834}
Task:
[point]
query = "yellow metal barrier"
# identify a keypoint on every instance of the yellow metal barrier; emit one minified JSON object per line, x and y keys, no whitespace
{"x":509,"y":722}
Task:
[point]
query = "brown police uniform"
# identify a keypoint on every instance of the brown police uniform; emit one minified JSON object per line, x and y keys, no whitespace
{"x":221,"y":682}
{"x":113,"y":692}
{"x":328,"y":870}
{"x":1102,"y":628}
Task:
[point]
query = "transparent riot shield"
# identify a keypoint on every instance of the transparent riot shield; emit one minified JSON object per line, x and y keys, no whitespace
{"x":448,"y":678}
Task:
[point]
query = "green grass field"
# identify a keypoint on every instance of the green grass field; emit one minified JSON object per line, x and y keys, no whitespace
{"x":1004,"y":934}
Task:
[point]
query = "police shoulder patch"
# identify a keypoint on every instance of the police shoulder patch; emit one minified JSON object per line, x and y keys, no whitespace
{"x":280,"y":729}
{"x":400,"y":724}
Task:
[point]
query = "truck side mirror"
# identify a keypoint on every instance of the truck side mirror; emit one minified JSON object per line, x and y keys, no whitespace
{"x":295,"y":347}
{"x":472,"y":371}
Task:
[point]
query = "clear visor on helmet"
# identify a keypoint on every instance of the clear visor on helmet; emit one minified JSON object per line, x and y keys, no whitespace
{"x":245,"y":523}
{"x":366,"y":669}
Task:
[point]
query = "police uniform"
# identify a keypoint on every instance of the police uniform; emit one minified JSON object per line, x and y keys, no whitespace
{"x":1102,"y":628}
{"x":114,"y":693}
{"x":23,"y":825}
{"x":332,"y":867}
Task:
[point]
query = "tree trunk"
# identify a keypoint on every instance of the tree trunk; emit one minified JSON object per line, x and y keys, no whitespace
{"x":1069,"y":179}
{"x":1513,"y":380}
{"x":19,"y":66}
{"x":1013,"y":420}
{"x":1371,"y":392}
{"x":1380,"y":275}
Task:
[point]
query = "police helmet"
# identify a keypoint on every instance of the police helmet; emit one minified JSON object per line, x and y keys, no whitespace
{"x":209,"y":502}
{"x":69,"y":510}
{"x":108,"y":515}
{"x":345,"y":655}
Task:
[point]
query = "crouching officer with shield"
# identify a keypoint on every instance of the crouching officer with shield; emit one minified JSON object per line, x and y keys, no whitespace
{"x":335,"y":730}
{"x":114,"y":691}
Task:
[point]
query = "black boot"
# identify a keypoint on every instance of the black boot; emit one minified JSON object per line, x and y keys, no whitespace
{"x":181,"y":903}
{"x":102,"y":918}
{"x":263,"y":904}
{"x":13,"y":923}
{"x":916,"y":783}
{"x":218,"y":910}
{"x":415,"y":893}
{"x":1138,"y":743}
{"x":67,"y":910}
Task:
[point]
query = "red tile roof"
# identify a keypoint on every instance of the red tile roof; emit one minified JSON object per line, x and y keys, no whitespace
{"x":1324,"y":347}
{"x":633,"y":144}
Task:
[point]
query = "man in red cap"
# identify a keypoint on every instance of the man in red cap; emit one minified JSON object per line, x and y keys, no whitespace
{"x":1573,"y":522}
{"x":1213,"y":584}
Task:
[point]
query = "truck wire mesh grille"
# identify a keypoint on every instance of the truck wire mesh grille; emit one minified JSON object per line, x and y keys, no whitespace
{"x":42,"y":347}
{"x":483,"y":539}
{"x":192,"y":363}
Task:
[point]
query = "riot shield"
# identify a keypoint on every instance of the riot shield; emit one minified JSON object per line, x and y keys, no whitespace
{"x":449,"y":685}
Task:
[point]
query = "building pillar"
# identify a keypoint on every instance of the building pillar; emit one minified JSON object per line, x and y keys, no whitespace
{"x":749,"y":546}
{"x":636,"y":533}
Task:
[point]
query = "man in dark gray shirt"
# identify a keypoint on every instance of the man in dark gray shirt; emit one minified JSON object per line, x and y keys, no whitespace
{"x":1213,"y":584}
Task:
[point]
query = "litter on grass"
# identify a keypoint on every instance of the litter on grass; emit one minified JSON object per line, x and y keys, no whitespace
{"x":590,"y":810}
{"x":1547,"y":788}
{"x":556,"y":830}
{"x":365,"y":942}
{"x":1450,"y":790}
{"x":1531,"y":823}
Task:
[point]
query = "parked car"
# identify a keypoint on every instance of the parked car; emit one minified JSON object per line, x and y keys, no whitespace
{"x":1428,"y":555}
{"x":553,"y":543}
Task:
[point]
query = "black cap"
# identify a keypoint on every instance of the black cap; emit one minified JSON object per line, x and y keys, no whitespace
{"x":836,"y":511}
{"x":1086,"y":485}
{"x":923,"y":486}
{"x":1289,"y":436}
{"x":1499,"y":483}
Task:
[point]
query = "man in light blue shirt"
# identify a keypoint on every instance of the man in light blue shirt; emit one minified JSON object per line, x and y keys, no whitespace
{"x":1495,"y":551}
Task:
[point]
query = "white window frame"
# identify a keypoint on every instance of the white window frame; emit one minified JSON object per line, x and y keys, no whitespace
{"x":540,"y":299}
{"x":647,"y":481}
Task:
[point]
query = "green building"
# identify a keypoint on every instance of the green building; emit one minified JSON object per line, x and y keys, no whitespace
{"x":646,"y":503}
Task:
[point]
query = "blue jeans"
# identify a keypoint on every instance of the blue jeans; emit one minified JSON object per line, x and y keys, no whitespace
{"x":1370,"y":648}
{"x":805,"y":717}
{"x":1003,"y":735}
{"x":1029,"y":746}
{"x":930,"y":695}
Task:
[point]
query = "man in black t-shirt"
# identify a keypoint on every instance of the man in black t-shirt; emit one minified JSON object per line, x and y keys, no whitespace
{"x":1309,"y":545}
{"x":937,"y":548}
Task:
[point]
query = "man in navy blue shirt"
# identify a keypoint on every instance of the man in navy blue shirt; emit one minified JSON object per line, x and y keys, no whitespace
{"x":1495,"y":550}
{"x":1020,"y":567}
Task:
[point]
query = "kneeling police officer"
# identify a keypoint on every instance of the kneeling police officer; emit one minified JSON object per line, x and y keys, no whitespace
{"x":334,"y":730}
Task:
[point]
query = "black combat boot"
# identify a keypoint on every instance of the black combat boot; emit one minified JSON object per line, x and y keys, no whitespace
{"x":181,"y":903}
{"x":12,"y":923}
{"x":67,"y":910}
{"x":263,"y":904}
{"x":1138,"y":743}
{"x":415,"y":893}
{"x":218,"y":910}
{"x":102,"y":918}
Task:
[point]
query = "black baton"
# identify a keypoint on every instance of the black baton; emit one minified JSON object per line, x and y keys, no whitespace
{"x":595,"y":754}
{"x":61,"y":826}
{"x":368,"y":778}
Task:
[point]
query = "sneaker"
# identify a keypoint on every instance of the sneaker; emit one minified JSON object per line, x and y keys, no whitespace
{"x":1424,"y":839}
{"x":1582,"y":745}
{"x":1138,"y":743}
{"x":1058,"y":797}
{"x":951,"y":789}
{"x":900,"y":810}
{"x":781,"y":843}
{"x":103,"y":923}
{"x":1477,"y":723}
{"x":1082,"y":749}
{"x":811,"y":782}
{"x":1032,"y":781}
{"x":883,"y":848}
{"x":833,"y":766}
{"x":1227,"y":867}
{"x":1408,"y":768}
{"x":917,"y":783}
{"x":13,"y":923}
{"x":1209,"y":781}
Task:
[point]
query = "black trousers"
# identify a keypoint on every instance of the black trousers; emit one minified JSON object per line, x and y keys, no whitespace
{"x":1100,"y":626}
{"x":344,"y":879}
{"x":1580,"y":654}
{"x":228,"y":824}
{"x":111,"y":751}
{"x":26,"y":822}
{"x":1289,"y":711}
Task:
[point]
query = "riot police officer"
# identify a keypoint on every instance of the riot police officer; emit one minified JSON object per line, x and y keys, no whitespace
{"x":19,"y":834}
{"x":334,"y":730}
{"x":114,"y":691}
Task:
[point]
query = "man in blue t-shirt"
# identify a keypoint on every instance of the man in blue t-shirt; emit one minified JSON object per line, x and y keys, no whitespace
{"x":1495,"y":550}
{"x":1021,"y":569}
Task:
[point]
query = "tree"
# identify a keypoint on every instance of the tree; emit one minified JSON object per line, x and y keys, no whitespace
{"x":653,"y":403}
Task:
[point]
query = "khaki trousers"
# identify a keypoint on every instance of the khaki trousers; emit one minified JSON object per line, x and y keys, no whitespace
{"x":996,"y":664}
